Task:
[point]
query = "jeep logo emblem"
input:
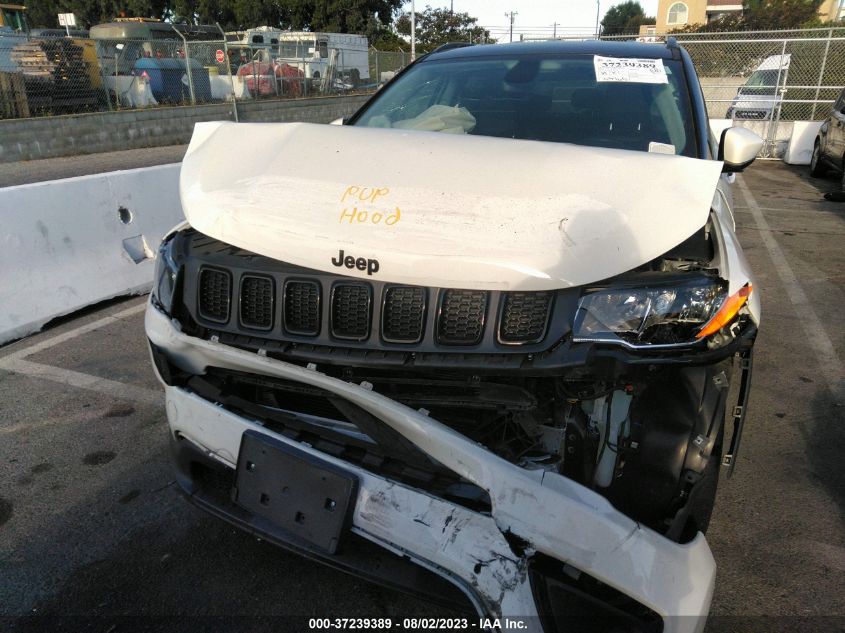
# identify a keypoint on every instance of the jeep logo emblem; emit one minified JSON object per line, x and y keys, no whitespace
{"x":370,"y":265}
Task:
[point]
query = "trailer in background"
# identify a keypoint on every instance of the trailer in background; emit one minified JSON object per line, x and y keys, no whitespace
{"x":319,"y":55}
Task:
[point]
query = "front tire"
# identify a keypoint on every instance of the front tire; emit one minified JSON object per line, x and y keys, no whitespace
{"x":816,"y":167}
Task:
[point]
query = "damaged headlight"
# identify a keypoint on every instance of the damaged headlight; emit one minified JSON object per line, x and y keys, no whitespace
{"x":643,"y":317}
{"x":166,"y":273}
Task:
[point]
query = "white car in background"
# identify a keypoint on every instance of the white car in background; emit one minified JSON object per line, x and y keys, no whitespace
{"x":761,"y":94}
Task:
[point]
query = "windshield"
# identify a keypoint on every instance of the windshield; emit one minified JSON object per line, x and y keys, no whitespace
{"x":760,"y":78}
{"x":546,"y":98}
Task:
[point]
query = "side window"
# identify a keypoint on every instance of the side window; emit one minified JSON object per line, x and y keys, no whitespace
{"x":324,"y":49}
{"x":678,"y":13}
{"x":257,"y":39}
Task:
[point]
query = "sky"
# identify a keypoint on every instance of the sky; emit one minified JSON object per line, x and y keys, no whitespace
{"x":534,"y":17}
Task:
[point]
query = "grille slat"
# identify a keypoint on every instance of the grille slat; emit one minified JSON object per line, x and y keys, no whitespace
{"x":403,"y":314}
{"x":524,"y":317}
{"x":257,"y":302}
{"x":215,"y":294}
{"x":351,"y":311}
{"x":302,"y":307}
{"x":461,"y":319}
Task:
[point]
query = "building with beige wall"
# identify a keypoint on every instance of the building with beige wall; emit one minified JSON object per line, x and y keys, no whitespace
{"x":675,"y":14}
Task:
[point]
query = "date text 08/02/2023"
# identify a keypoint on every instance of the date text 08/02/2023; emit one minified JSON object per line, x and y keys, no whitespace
{"x":416,"y":624}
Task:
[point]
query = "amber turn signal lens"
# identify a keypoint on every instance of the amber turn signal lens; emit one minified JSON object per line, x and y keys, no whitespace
{"x":727,"y":312}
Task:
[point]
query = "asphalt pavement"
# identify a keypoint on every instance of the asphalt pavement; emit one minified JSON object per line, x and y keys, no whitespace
{"x":29,"y":171}
{"x":94,"y":536}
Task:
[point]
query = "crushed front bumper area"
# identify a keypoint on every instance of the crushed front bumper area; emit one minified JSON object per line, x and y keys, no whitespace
{"x":503,"y":561}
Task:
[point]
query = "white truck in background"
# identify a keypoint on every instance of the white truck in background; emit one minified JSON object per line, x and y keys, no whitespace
{"x":316,"y":54}
{"x":345,"y":56}
{"x":763,"y":91}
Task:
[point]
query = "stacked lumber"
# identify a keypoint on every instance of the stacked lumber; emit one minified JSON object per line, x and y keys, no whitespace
{"x":56,"y":78}
{"x":13,"y":102}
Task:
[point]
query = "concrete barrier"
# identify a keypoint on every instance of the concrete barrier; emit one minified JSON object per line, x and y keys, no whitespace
{"x":800,"y":148}
{"x":75,"y":134}
{"x":67,"y":244}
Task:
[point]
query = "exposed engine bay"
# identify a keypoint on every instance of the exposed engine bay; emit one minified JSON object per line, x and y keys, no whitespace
{"x":645,"y":432}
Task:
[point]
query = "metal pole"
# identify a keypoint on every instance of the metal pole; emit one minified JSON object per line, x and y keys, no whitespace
{"x":229,"y":70}
{"x":820,"y":82}
{"x":772,"y":124}
{"x":378,"y":74}
{"x":598,"y":11}
{"x":413,"y":32}
{"x":116,"y":63}
{"x":104,"y":73}
{"x":188,"y":68}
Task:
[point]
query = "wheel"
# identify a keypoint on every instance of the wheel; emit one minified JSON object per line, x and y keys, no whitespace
{"x":816,"y":167}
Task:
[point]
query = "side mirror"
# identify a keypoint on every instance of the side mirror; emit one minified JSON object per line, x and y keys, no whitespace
{"x":738,"y":148}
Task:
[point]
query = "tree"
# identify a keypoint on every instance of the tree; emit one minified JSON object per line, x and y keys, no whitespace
{"x":441,"y":26}
{"x":44,"y":13}
{"x":625,"y":18}
{"x":764,"y":15}
{"x":779,"y":14}
{"x":368,"y":17}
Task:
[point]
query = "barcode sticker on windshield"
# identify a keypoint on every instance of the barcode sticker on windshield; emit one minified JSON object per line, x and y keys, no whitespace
{"x":627,"y":69}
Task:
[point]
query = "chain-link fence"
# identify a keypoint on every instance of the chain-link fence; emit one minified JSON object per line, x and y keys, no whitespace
{"x":60,"y":75}
{"x":48,"y":76}
{"x":760,"y":79}
{"x":764,"y":79}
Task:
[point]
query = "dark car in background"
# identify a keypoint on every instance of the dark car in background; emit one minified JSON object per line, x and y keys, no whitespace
{"x":829,"y":149}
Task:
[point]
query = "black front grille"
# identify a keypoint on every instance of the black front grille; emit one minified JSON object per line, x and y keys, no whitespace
{"x":403,"y":314}
{"x":302,"y":307}
{"x":215,"y":292}
{"x":461,"y":319}
{"x":350,"y":318}
{"x":228,"y":291}
{"x":524,"y":317}
{"x":257,"y":302}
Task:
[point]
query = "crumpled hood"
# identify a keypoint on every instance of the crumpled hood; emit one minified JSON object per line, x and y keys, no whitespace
{"x":437,"y":209}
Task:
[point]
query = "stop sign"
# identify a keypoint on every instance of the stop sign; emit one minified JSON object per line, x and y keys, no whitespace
{"x":219,"y":56}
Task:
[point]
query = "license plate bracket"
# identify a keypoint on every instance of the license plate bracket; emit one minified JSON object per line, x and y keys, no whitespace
{"x":308,"y":500}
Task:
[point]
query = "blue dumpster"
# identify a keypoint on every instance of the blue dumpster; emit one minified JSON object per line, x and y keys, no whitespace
{"x":166,"y":79}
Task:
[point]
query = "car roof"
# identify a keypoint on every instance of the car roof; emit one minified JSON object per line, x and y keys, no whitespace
{"x":587,"y":47}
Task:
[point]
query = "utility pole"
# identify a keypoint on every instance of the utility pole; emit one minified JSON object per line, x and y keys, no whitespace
{"x":598,"y":10}
{"x":554,"y":32}
{"x":511,"y":16}
{"x":413,"y":32}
